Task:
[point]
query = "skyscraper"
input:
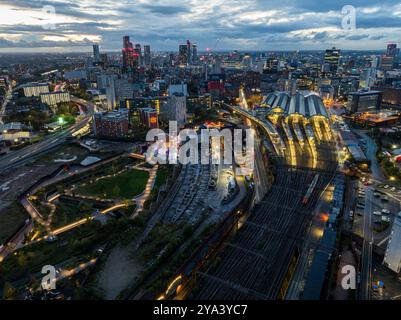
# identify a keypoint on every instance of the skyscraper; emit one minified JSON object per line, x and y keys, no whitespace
{"x":128,"y":54}
{"x":332,"y":58}
{"x":138,"y":54}
{"x":194,"y":52}
{"x":146,"y":55}
{"x":392,"y":50}
{"x":96,"y":53}
{"x":189,"y":52}
{"x":183,"y":54}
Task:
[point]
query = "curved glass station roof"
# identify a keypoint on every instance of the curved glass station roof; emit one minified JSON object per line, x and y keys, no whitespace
{"x":305,"y":103}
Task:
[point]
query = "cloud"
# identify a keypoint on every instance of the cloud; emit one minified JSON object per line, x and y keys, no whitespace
{"x":241,"y":24}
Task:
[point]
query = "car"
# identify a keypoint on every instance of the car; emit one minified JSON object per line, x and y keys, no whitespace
{"x":384,"y":198}
{"x":376,"y":194}
{"x":386,"y":211}
{"x":351,"y":214}
{"x":386,"y":186}
{"x":359,"y":214}
{"x":360,"y":206}
{"x":377,"y":213}
{"x":393,"y":189}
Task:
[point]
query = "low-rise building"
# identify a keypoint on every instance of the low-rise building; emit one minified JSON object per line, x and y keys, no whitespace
{"x":112,"y":124}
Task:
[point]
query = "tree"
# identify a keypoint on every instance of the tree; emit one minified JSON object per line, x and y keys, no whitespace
{"x":9,"y":292}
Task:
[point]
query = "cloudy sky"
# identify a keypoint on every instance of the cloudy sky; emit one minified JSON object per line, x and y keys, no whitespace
{"x":73,"y":25}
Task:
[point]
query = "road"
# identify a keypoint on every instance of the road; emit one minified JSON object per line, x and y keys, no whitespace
{"x":3,"y":107}
{"x":367,"y":248}
{"x":370,"y":153}
{"x":22,"y":156}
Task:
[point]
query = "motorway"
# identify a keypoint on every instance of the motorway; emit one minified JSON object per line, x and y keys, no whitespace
{"x":24,"y":155}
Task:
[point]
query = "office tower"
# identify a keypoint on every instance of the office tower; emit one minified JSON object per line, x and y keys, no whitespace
{"x":128,"y":54}
{"x":364,"y":101}
{"x":392,"y":257}
{"x":183,"y":55}
{"x":332,"y":58}
{"x":146,"y":55}
{"x":138,"y":54}
{"x":189,"y":52}
{"x":392,"y":50}
{"x":194,"y":52}
{"x":96,"y":53}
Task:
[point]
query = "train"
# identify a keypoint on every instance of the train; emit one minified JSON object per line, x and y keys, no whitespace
{"x":311,"y":188}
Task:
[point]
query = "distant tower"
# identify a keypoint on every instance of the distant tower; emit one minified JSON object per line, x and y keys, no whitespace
{"x":96,"y":53}
{"x":332,"y":58}
{"x":146,"y":55}
{"x":128,"y":54}
{"x":189,"y":52}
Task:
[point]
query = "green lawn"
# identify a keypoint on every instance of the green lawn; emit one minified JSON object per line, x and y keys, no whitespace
{"x":124,"y":186}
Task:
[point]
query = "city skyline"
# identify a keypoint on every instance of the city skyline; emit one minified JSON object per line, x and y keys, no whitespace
{"x":220,"y":25}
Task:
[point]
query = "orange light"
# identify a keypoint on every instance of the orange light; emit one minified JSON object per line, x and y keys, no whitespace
{"x":324,"y":217}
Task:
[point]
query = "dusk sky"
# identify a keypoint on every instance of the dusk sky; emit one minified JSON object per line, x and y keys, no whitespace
{"x":217,"y":24}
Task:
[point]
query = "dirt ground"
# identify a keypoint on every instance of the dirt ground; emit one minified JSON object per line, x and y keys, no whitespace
{"x":118,"y":273}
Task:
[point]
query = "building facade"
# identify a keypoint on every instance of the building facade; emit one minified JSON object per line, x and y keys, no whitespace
{"x":113,"y":124}
{"x":392,"y":258}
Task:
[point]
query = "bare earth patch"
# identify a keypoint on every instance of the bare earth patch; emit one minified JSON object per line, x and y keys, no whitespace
{"x":118,"y":273}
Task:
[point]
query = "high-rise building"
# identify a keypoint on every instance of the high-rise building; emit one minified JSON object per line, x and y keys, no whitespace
{"x":194,"y":52}
{"x":96,"y":53}
{"x":128,"y":54}
{"x":392,"y":50}
{"x":392,"y":258}
{"x":138,"y":54}
{"x":183,"y":55}
{"x":146,"y":55}
{"x":332,"y":58}
{"x":189,"y":52}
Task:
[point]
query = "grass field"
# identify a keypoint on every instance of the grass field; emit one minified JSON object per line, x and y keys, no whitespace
{"x":124,"y":186}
